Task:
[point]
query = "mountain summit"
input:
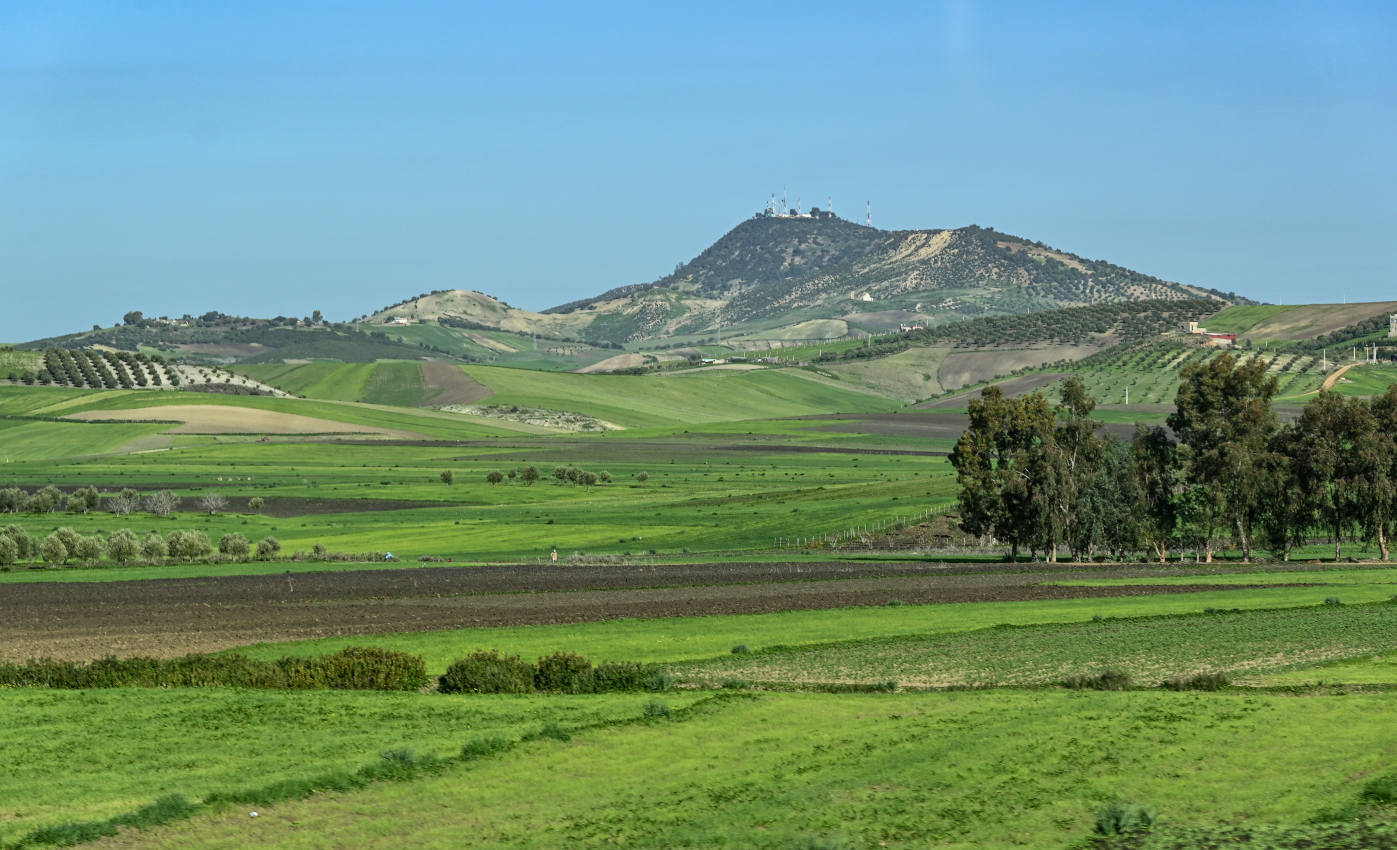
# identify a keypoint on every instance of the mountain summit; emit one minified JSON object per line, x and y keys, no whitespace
{"x":820,"y":277}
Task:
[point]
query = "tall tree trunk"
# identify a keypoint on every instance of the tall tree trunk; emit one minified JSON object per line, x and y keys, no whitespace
{"x":1382,"y":541}
{"x":1052,"y":553}
{"x":1245,"y":541}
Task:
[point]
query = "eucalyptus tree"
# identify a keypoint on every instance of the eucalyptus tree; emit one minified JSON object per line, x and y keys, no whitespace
{"x":1224,"y":419}
{"x":998,"y":468}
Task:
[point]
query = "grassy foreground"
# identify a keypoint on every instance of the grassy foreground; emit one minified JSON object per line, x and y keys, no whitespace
{"x":88,"y":755}
{"x":960,"y":770}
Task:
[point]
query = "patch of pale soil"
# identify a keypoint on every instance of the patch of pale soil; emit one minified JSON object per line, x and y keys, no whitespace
{"x":620,"y":361}
{"x":1333,"y":379}
{"x":451,"y":385}
{"x":558,"y":420}
{"x":148,"y":443}
{"x":962,"y":368}
{"x":492,"y":344}
{"x":227,"y":419}
{"x":716,"y":367}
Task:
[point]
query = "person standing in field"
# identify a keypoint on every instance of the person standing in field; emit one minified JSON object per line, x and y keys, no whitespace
{"x":555,"y":554}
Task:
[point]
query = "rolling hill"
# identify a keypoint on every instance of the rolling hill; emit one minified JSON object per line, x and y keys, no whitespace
{"x":799,"y":278}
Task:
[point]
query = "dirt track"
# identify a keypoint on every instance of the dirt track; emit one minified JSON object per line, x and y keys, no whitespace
{"x":169,"y":617}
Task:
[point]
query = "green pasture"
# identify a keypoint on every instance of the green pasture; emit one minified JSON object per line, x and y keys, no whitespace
{"x":327,"y":380}
{"x":953,"y":770}
{"x":1366,"y":380}
{"x":1374,"y":669}
{"x":1150,"y":650}
{"x":686,"y":639}
{"x":697,"y":497}
{"x":1279,"y":323}
{"x":41,"y":441}
{"x":396,"y":383}
{"x":63,"y":402}
{"x":89,"y":755}
{"x":1241,"y":318}
{"x":657,"y":400}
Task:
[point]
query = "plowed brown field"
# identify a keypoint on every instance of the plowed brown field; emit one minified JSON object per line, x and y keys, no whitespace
{"x":82,"y":620}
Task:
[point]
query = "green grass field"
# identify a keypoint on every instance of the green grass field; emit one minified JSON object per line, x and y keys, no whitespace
{"x":1150,"y":650}
{"x":75,"y":755}
{"x":955,"y":770}
{"x":649,"y":400}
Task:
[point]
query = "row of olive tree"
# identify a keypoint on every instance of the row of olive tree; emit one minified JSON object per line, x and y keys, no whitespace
{"x":123,"y":546}
{"x":1225,"y":472}
{"x":87,"y":499}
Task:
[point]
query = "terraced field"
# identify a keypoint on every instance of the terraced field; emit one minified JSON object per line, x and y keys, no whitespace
{"x":1298,"y":322}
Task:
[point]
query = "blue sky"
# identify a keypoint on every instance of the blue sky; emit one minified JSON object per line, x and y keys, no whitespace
{"x":276,"y":158}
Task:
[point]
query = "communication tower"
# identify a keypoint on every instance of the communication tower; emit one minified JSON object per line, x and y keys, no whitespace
{"x":785,"y":210}
{"x":868,"y":213}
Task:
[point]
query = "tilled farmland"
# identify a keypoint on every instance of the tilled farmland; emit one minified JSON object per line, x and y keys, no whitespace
{"x":168,"y":617}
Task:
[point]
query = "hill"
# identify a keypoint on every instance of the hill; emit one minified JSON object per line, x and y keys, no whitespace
{"x":801,"y":278}
{"x":1303,"y":322}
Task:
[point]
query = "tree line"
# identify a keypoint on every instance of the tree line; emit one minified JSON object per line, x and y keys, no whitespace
{"x":1225,"y":473}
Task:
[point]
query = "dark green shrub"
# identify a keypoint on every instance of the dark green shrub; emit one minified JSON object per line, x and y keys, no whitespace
{"x":735,"y":685}
{"x":479,"y":748}
{"x":659,"y":679}
{"x":741,"y":649}
{"x":1198,"y":682}
{"x":1109,"y":679}
{"x":1118,"y":818}
{"x":564,"y":672}
{"x":356,"y":668}
{"x":488,"y":672}
{"x":551,"y":730}
{"x":655,"y":708}
{"x":397,"y":764}
{"x":1332,"y":600}
{"x":621,"y":676}
{"x":1382,"y":791}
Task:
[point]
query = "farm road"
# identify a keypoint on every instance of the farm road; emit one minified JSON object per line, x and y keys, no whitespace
{"x":170,"y":617}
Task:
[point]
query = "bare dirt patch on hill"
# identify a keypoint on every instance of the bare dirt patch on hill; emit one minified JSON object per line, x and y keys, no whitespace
{"x":445,"y":383}
{"x":962,"y":368}
{"x":227,"y":419}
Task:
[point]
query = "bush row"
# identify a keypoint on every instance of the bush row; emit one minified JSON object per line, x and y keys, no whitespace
{"x":356,"y":668}
{"x":488,"y":672}
{"x":123,"y":547}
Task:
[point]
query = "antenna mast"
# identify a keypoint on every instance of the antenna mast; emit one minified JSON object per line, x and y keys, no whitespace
{"x":868,"y":213}
{"x":784,"y":209}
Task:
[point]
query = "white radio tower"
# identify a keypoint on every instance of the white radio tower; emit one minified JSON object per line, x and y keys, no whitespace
{"x":829,"y":205}
{"x":784,"y":208}
{"x":868,"y":213}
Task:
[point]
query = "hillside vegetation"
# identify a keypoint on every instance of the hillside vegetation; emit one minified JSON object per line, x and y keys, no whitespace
{"x":779,"y":278}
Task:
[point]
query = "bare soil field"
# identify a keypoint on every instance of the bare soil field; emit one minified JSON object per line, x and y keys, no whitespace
{"x":1310,"y":321}
{"x":170,"y":617}
{"x":1011,"y":387}
{"x":225,"y":419}
{"x":962,"y":368}
{"x":445,"y":384}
